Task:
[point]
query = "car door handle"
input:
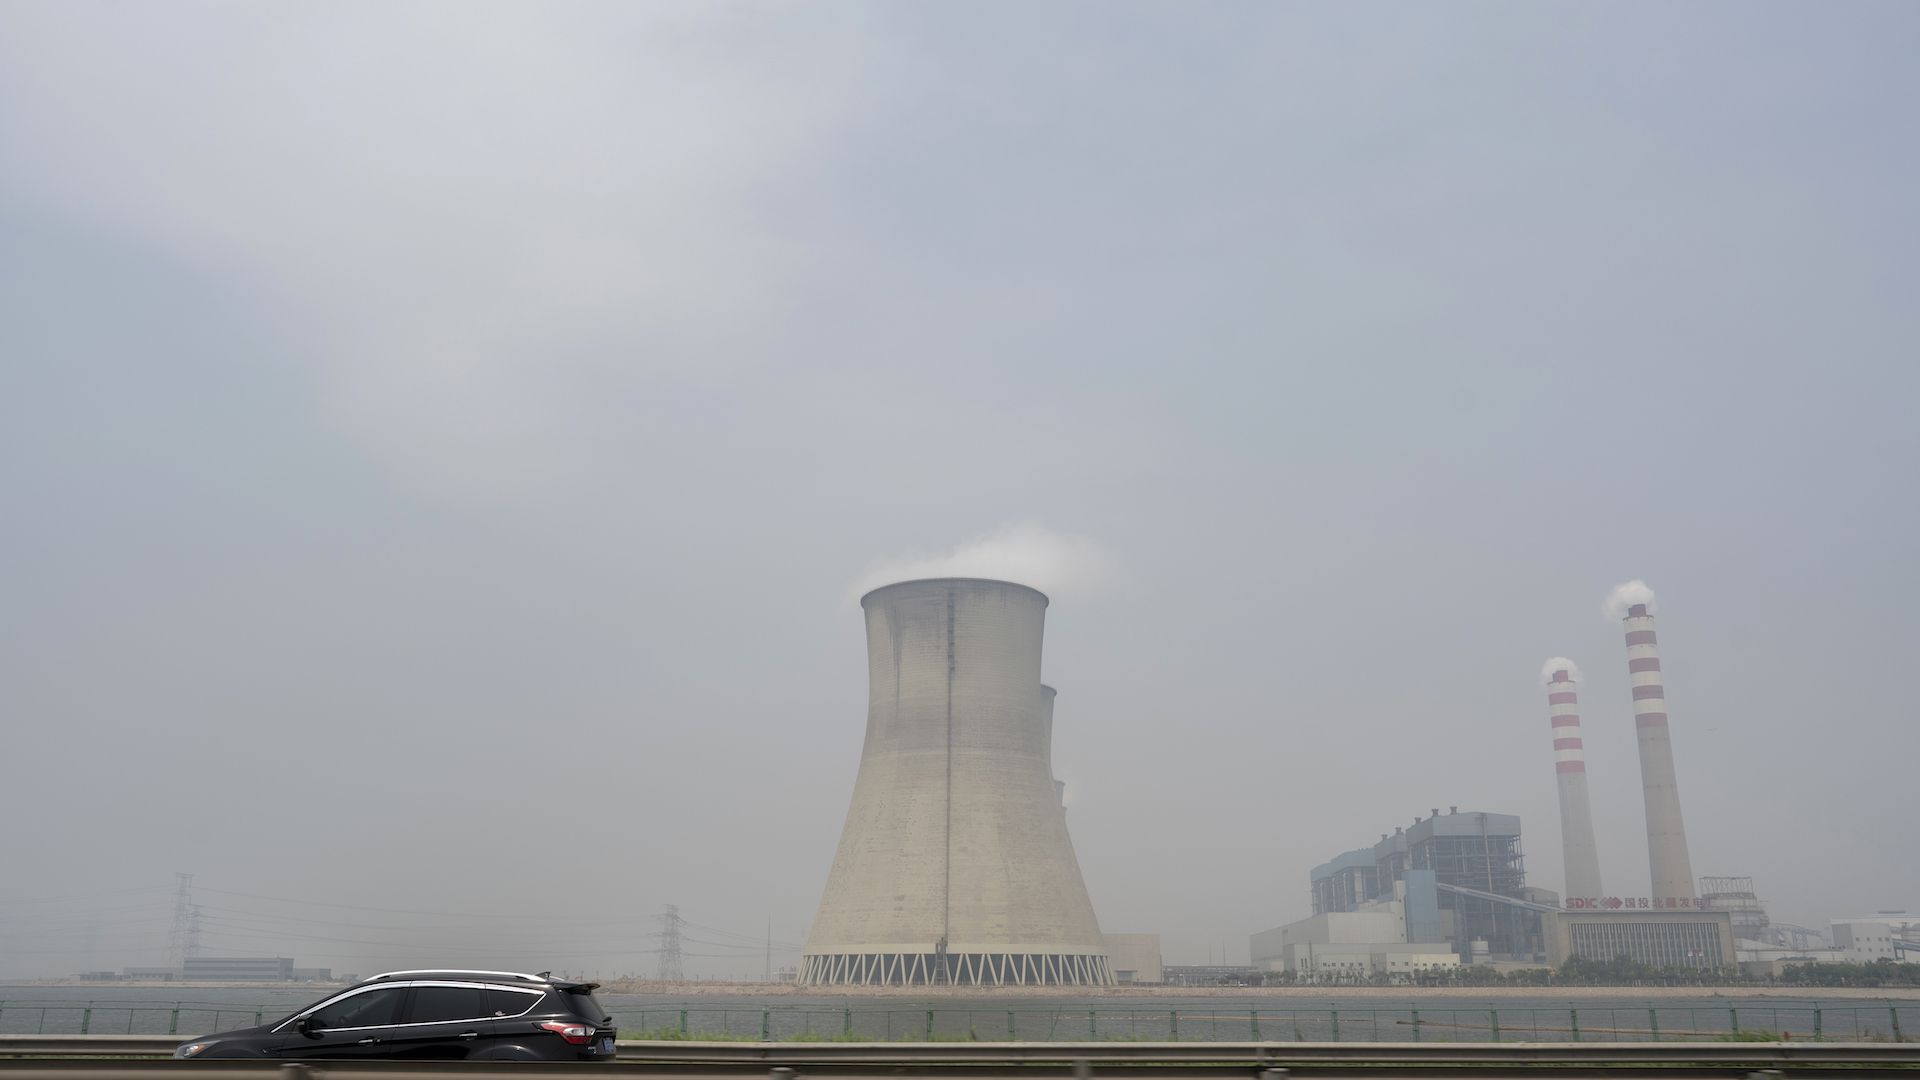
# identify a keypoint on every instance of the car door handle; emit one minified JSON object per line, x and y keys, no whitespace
{"x":469,"y":1034}
{"x":366,"y":1042}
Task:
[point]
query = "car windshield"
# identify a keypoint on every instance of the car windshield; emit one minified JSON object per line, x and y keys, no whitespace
{"x":301,"y":1011}
{"x":368,"y":1008}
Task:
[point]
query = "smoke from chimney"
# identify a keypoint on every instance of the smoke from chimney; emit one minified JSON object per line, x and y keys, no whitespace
{"x":1053,"y":562}
{"x":1560,"y":664}
{"x":1626,"y":596}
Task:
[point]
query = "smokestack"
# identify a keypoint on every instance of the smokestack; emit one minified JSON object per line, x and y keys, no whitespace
{"x":954,"y":867}
{"x":1671,"y":869}
{"x":1570,"y":766}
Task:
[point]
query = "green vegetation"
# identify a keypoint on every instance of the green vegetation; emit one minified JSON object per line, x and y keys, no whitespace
{"x":676,"y":1035}
{"x":1621,"y":971}
{"x":1878,"y":973}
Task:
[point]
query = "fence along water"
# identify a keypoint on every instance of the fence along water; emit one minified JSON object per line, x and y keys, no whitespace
{"x":1892,"y":1020}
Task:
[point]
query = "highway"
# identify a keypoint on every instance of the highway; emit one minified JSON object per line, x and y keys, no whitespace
{"x":136,"y":1058}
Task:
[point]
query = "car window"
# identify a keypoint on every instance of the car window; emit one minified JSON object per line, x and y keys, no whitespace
{"x":372,"y":1008}
{"x":511,"y":1002}
{"x":440,"y":1004}
{"x":584,"y":1006}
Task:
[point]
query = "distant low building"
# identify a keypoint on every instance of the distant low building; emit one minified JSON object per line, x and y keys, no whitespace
{"x":238,"y":969}
{"x":151,"y":974}
{"x":1135,"y":958}
{"x":1208,"y":974}
{"x":1344,"y":945}
{"x":1862,"y":941}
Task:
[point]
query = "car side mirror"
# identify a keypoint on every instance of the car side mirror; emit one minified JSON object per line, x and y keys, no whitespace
{"x":308,"y":1026}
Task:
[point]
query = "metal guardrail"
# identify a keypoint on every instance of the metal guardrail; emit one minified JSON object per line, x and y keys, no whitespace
{"x":812,"y":1056}
{"x":1222,"y":1021}
{"x":123,"y":1049}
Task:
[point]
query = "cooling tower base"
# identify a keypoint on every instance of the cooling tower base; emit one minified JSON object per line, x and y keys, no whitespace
{"x":960,"y":969}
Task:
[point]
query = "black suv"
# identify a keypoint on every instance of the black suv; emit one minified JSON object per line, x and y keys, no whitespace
{"x":432,"y":1016}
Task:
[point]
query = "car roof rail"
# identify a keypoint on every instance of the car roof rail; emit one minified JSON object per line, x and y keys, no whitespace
{"x":458,"y":971}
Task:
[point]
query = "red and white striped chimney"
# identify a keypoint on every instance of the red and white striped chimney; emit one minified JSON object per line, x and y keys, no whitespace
{"x":1570,"y":766}
{"x":1671,"y":869}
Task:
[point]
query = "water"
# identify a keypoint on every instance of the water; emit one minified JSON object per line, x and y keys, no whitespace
{"x":1439,"y":1017}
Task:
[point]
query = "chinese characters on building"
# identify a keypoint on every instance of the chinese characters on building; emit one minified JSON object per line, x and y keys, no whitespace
{"x":1642,"y":903}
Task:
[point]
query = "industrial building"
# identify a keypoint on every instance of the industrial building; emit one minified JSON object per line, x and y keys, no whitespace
{"x":1400,"y":935}
{"x":1135,"y":959}
{"x":237,"y":969}
{"x":954,"y":867}
{"x":1477,"y":864}
{"x":1670,"y":927}
{"x":1860,"y":939}
{"x":1683,"y":939}
{"x":1365,"y":901}
{"x":1485,"y":910}
{"x":1459,"y":879}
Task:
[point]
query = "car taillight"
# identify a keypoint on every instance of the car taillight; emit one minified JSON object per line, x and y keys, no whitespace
{"x":577,"y":1034}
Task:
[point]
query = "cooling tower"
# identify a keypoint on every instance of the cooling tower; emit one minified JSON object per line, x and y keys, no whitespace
{"x":1570,"y":766}
{"x":1667,"y":858}
{"x":955,"y":866}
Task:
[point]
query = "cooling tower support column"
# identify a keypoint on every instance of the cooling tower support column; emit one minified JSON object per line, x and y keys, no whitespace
{"x":955,"y":867}
{"x":1576,"y":813}
{"x":1671,"y":869}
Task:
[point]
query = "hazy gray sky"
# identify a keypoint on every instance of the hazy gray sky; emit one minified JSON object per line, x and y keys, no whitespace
{"x":440,"y":445}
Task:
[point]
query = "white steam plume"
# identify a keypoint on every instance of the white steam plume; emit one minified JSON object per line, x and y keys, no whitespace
{"x":1028,"y":554}
{"x":1625,"y":596}
{"x":1560,"y":663}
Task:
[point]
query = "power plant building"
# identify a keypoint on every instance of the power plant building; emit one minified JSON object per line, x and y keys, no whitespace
{"x":1670,"y":927}
{"x":1469,"y":866}
{"x":954,"y":867}
{"x":1483,"y":906}
{"x":1699,"y":938}
{"x":1400,"y":936}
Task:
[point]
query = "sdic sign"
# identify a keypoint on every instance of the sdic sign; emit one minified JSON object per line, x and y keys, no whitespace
{"x":1638,"y":903}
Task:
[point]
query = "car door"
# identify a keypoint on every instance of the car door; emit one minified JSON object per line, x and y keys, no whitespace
{"x":354,"y":1025}
{"x":445,"y":1021}
{"x":513,"y":1036}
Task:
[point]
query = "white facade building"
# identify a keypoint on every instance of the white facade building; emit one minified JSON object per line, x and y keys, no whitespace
{"x":1350,"y":945}
{"x":1862,"y":941}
